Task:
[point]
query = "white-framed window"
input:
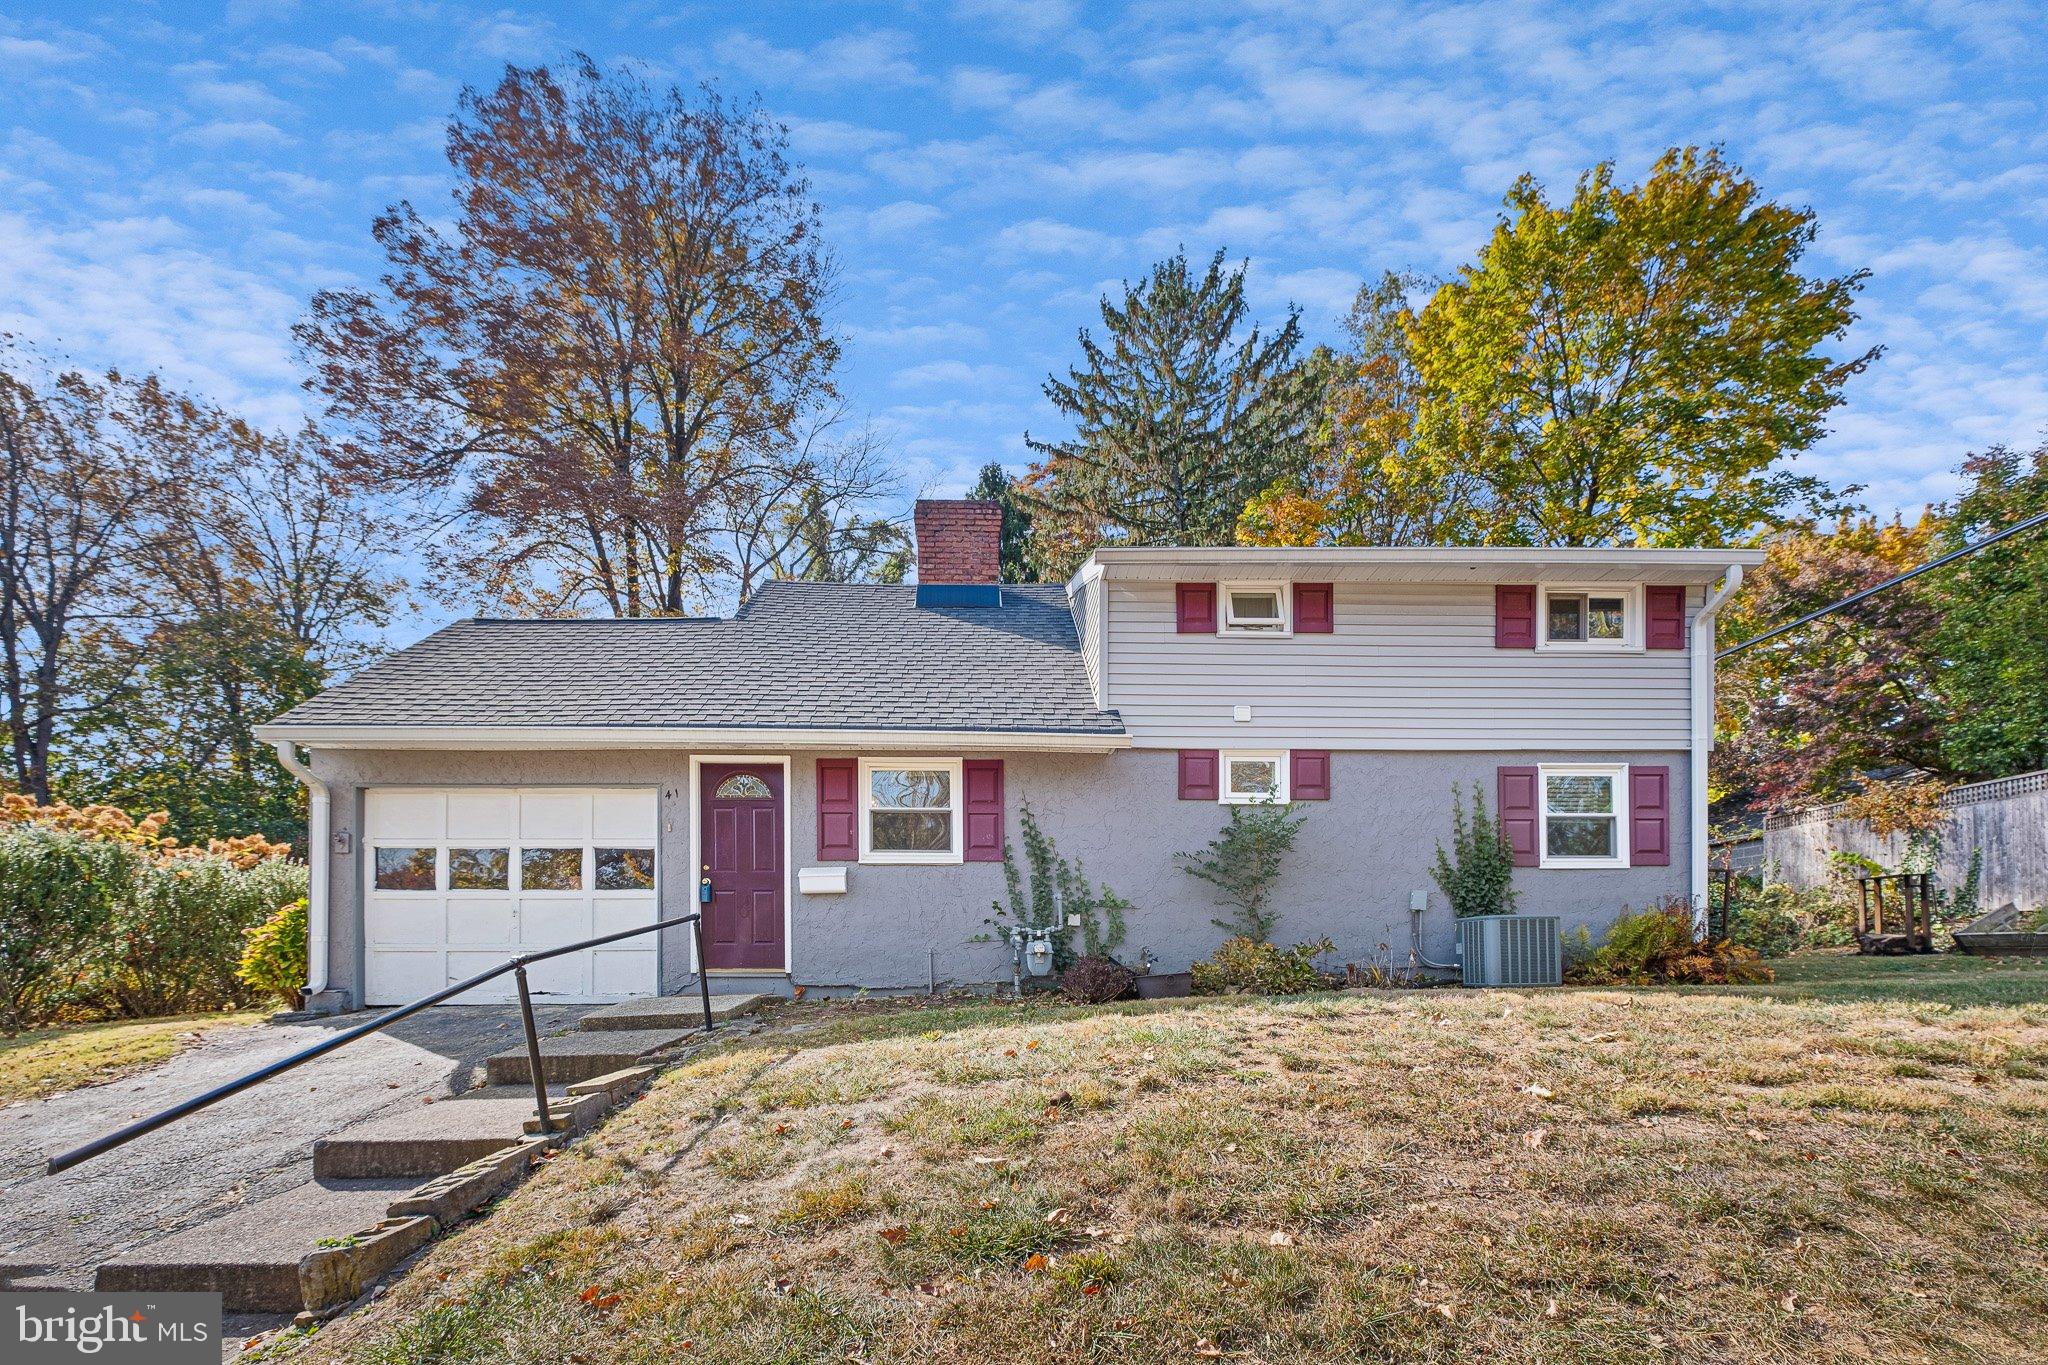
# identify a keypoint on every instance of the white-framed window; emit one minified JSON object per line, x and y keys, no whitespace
{"x":1250,"y":778}
{"x":1585,"y":814}
{"x":910,"y":810}
{"x":1589,"y":616}
{"x":1255,"y":609}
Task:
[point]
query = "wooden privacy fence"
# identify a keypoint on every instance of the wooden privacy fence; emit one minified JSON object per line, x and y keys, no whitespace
{"x":1911,"y":900}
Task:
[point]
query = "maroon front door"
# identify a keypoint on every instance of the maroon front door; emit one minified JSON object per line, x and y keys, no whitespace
{"x":741,"y":836}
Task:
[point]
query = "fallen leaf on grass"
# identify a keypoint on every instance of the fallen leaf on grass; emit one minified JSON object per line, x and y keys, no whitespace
{"x":1535,"y":1138}
{"x":1550,"y":1309}
{"x":1207,"y":1348}
{"x":1036,"y":1261}
{"x":1280,"y":1239}
{"x":892,"y":1235}
{"x":1541,"y":1092}
{"x":1059,"y":1218}
{"x":743,"y":1220}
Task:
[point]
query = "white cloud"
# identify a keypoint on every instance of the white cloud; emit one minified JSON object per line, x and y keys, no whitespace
{"x":874,"y":57}
{"x":1048,"y":237}
{"x":236,"y":133}
{"x":142,"y":294}
{"x":902,"y":217}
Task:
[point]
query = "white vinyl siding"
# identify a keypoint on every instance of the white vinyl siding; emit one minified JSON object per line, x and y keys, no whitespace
{"x":1086,"y":603}
{"x":1409,"y":666}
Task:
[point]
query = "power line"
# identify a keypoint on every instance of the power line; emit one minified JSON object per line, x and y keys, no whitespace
{"x":2038,"y":519}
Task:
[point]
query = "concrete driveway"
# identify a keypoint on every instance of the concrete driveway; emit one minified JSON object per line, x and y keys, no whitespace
{"x":257,"y":1144}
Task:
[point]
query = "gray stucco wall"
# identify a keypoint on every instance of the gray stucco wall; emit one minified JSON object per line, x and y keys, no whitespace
{"x":1359,"y":856}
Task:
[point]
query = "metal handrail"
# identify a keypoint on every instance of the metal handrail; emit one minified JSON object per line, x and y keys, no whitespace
{"x":66,"y":1160}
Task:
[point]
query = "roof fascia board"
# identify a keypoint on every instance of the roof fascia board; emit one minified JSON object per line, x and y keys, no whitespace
{"x":315,"y":736}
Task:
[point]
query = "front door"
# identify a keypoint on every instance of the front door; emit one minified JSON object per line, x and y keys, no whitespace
{"x":741,"y":835}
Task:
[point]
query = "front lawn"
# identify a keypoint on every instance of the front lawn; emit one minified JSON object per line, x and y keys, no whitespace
{"x":46,"y":1061}
{"x":1788,"y":1174}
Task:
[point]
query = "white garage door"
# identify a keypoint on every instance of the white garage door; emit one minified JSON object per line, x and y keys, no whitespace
{"x":458,"y":879}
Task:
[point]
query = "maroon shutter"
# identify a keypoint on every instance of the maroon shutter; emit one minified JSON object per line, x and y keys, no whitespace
{"x":838,"y":808}
{"x":1664,"y":618}
{"x":1198,"y":775}
{"x":982,"y":801}
{"x":1315,"y":611}
{"x":1195,"y":608}
{"x":1514,"y":617}
{"x":1649,"y":817}
{"x":1308,"y":775}
{"x":1521,"y":814}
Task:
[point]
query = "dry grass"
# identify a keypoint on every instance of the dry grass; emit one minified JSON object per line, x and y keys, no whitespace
{"x":1564,"y":1176}
{"x":48,"y":1061}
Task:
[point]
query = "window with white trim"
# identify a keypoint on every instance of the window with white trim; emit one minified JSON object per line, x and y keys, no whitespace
{"x":1255,"y":609}
{"x":1585,"y":814}
{"x":910,"y":810}
{"x":1251,"y":779}
{"x":1592,"y":617}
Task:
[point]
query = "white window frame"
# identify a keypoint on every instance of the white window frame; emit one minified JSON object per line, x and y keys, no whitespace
{"x":868,"y":852}
{"x":1282,"y":590}
{"x":1631,"y":641}
{"x":1226,"y":797}
{"x":1616,"y":771}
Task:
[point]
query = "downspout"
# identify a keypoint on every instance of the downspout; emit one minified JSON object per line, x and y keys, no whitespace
{"x":1703,"y":739}
{"x":318,"y":868}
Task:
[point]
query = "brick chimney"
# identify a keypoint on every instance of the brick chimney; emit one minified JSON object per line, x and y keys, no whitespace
{"x":959,"y":540}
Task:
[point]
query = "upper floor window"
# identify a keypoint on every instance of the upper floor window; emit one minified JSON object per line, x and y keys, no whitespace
{"x":1251,"y":779}
{"x":1591,"y":617}
{"x":1255,"y":608}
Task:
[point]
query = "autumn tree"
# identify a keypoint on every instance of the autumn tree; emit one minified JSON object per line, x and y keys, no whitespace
{"x":818,"y":518}
{"x":1993,"y":637}
{"x":1183,"y":411}
{"x":614,"y":343}
{"x":1809,"y":716}
{"x":267,"y":574}
{"x":86,"y":472}
{"x":1633,"y":367}
{"x":1367,"y":482}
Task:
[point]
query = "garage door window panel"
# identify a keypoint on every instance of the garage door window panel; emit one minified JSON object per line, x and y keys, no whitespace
{"x":407,"y":869}
{"x":551,"y":869}
{"x":479,"y":869}
{"x":625,"y":869}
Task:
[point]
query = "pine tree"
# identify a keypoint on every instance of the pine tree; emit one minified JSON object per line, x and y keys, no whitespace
{"x":998,"y":487}
{"x":1182,"y":414}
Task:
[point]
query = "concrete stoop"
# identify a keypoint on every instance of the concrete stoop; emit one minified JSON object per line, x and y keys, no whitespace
{"x":321,"y":1245}
{"x":580,"y":1056}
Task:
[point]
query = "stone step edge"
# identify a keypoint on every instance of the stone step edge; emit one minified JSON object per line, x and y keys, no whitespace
{"x":333,"y":1277}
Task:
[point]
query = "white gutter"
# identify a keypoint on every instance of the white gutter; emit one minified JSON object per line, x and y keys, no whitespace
{"x":677,"y":737}
{"x":318,"y":867}
{"x":1703,"y":738}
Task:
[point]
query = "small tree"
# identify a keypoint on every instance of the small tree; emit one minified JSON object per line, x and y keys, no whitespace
{"x":1058,"y":890}
{"x":1477,"y":874}
{"x":1244,"y":861}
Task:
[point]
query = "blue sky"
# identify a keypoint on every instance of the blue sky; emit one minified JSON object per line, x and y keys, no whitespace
{"x":175,"y":181}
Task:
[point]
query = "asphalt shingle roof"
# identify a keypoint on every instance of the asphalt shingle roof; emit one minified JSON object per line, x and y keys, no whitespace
{"x":799,"y":656}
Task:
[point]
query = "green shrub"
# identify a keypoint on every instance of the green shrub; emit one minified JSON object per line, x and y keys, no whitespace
{"x":1477,"y":874}
{"x":1243,"y":862}
{"x":1658,"y":947}
{"x":1245,"y":966}
{"x":274,"y":954}
{"x":1764,"y":926}
{"x":175,"y":947}
{"x":59,"y":891}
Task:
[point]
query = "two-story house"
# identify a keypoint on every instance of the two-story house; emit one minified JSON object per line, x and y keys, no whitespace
{"x":833,"y":773}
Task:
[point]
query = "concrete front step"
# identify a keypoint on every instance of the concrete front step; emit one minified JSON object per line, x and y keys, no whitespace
{"x":433,"y":1139}
{"x":582,"y":1056}
{"x":251,"y":1257}
{"x":671,"y":1011}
